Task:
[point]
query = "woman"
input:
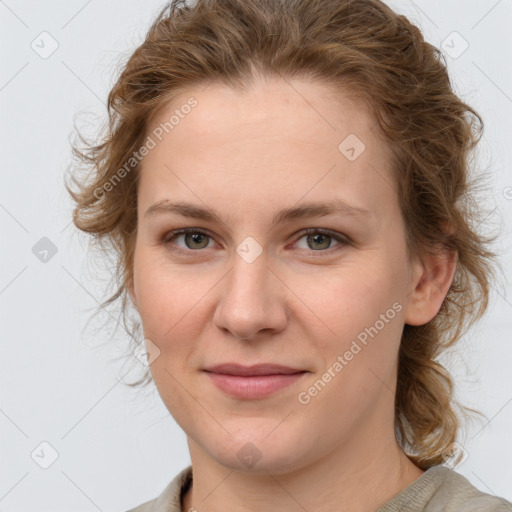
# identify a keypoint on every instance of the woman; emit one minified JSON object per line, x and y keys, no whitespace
{"x":286,"y":186}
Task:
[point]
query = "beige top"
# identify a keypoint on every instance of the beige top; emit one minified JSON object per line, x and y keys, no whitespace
{"x":439,"y":489}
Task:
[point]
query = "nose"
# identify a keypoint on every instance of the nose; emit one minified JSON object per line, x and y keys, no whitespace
{"x":252,"y":300}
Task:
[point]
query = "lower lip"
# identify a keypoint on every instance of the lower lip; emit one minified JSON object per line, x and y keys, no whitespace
{"x":253,"y":387}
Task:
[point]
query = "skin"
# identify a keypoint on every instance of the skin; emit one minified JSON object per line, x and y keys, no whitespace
{"x":300,"y":303}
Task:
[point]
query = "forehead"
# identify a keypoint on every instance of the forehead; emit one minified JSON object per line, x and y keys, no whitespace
{"x":265,"y":107}
{"x":297,"y":136}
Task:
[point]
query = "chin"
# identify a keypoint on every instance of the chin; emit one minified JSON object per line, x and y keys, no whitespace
{"x":258,"y":453}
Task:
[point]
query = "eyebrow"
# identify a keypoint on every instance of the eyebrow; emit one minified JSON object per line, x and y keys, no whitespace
{"x":306,"y":210}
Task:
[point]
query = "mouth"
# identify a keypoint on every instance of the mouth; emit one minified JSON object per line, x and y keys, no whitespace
{"x":251,"y":371}
{"x":253,"y":382}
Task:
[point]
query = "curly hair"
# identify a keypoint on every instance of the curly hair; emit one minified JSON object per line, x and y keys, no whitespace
{"x":362,"y":47}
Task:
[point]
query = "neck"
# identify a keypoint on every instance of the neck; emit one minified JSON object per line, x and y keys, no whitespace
{"x":362,"y":476}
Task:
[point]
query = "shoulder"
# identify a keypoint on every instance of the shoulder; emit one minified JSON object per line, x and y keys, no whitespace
{"x":169,"y":499}
{"x":148,"y":506}
{"x":441,"y":489}
{"x":456,"y":493}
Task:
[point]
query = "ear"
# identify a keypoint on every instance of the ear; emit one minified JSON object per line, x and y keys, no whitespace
{"x":432,"y":278}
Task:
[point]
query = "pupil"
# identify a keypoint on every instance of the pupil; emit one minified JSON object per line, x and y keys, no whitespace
{"x":196,"y":237}
{"x":317,"y":239}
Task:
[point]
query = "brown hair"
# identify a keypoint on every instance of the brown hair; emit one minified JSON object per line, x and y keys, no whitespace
{"x":362,"y":47}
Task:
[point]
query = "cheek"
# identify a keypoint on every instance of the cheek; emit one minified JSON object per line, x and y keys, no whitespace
{"x":169,"y":308}
{"x":166,"y":295}
{"x":173,"y":307}
{"x":359,"y":317}
{"x":352,"y":297}
{"x":359,"y":351}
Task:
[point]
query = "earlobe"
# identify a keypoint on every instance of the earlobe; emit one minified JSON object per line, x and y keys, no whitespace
{"x":430,"y":286}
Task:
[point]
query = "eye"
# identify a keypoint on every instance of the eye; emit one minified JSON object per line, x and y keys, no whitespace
{"x":320,"y":239}
{"x":193,"y":238}
{"x":316,"y":239}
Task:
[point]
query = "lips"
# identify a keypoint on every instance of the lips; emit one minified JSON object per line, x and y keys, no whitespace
{"x":253,"y":382}
{"x":255,"y":370}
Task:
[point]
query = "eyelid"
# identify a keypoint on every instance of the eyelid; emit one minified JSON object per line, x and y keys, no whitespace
{"x":339,"y":237}
{"x":170,"y":235}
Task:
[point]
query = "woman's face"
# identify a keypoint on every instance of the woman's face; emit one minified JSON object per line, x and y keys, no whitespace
{"x":251,"y":172}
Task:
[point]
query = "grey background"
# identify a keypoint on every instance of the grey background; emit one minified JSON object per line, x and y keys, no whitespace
{"x":58,"y":379}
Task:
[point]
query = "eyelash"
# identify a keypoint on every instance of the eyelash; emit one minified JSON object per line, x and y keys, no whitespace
{"x":342,"y":239}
